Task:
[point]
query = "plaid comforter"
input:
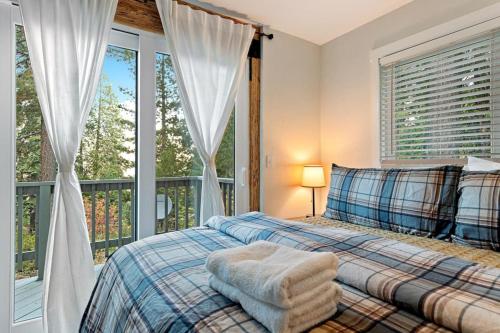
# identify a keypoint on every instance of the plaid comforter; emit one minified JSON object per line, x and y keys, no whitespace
{"x":160,"y":284}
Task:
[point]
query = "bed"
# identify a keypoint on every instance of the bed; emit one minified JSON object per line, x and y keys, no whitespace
{"x":160,"y":284}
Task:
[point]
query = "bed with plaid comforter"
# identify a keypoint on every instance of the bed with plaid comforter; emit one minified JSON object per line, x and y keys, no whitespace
{"x":160,"y":284}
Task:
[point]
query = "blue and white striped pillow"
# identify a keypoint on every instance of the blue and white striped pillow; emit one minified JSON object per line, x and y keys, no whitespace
{"x":478,"y":214}
{"x":414,"y":201}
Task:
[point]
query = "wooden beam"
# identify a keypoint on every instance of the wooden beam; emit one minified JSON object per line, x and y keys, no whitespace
{"x":254,"y":132}
{"x":144,"y":15}
{"x":138,"y":14}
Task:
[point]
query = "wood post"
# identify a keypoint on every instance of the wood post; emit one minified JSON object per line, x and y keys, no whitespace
{"x":254,"y":130}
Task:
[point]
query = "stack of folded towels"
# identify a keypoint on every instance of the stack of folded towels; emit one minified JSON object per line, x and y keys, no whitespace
{"x":285,"y":289}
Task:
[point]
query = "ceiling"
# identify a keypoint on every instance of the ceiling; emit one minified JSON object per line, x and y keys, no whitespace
{"x":317,"y":21}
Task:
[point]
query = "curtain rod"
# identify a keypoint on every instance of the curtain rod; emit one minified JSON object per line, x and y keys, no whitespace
{"x":258,"y":28}
{"x":212,"y":12}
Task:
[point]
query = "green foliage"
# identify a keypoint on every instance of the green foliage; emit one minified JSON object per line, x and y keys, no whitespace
{"x":225,"y":156}
{"x":28,"y":115}
{"x":421,"y":134}
{"x":175,"y":152}
{"x":174,"y":148}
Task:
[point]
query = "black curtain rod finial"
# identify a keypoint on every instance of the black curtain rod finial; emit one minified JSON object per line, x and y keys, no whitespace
{"x":269,"y":36}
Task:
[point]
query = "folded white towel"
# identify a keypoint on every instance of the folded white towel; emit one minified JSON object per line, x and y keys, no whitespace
{"x":278,"y":320}
{"x":272,"y":273}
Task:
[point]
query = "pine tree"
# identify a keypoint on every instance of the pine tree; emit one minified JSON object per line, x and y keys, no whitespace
{"x":174,"y":148}
{"x":31,"y":133}
{"x":176,"y":154}
{"x":105,"y":144}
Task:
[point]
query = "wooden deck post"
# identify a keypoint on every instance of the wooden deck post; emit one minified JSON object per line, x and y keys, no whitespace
{"x":198,"y":202}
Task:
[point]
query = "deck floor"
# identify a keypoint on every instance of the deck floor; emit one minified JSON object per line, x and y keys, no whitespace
{"x":28,"y":298}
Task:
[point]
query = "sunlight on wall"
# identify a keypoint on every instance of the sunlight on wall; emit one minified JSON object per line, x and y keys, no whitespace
{"x":290,"y":123}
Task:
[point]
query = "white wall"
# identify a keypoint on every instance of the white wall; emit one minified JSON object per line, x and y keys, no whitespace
{"x":348,"y":120}
{"x":290,"y":122}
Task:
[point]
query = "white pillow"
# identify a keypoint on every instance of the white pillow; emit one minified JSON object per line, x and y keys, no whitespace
{"x":479,"y":164}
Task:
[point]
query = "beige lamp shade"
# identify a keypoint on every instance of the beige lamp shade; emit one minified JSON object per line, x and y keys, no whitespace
{"x":313,"y":176}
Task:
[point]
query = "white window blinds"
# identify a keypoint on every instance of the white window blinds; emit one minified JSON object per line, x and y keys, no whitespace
{"x":443,"y":105}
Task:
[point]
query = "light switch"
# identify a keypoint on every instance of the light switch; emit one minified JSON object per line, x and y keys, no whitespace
{"x":269,"y":161}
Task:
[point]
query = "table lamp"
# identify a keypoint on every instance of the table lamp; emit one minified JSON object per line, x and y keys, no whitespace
{"x":313,"y":176}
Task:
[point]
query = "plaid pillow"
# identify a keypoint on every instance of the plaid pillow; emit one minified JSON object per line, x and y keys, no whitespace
{"x":478,"y":214}
{"x":413,"y":201}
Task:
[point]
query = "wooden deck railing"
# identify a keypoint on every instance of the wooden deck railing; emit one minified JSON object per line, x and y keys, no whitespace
{"x":110,"y":210}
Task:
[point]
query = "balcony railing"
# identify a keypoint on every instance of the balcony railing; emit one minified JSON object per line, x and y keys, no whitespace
{"x":110,"y":212}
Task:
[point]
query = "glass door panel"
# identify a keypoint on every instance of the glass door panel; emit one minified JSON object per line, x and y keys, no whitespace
{"x":105,"y":166}
{"x":106,"y":163}
{"x":178,"y":166}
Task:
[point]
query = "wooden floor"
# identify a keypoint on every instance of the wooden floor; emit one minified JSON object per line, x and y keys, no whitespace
{"x":28,"y":298}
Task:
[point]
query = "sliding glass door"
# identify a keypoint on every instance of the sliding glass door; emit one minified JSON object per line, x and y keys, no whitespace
{"x":139,"y":171}
{"x":105,"y":166}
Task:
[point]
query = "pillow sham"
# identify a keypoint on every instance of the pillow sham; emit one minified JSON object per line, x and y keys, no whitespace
{"x":479,"y":164}
{"x":414,"y":201}
{"x":478,"y":214}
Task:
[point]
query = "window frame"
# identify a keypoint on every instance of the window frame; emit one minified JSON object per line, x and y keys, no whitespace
{"x":433,"y":39}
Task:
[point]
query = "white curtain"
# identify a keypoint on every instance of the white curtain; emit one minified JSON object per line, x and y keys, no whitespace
{"x":208,"y":54}
{"x":67,"y":41}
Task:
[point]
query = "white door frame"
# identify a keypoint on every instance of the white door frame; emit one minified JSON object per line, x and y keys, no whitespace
{"x":242,"y":145}
{"x":9,"y":16}
{"x":7,"y":177}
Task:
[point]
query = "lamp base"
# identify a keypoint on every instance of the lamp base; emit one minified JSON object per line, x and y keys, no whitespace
{"x":314,"y":205}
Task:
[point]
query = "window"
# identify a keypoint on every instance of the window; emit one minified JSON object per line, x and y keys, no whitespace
{"x":443,"y":105}
{"x":105,"y":166}
{"x":178,"y":166}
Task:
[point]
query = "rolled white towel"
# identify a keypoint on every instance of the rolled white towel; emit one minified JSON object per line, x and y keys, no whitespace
{"x":279,"y":320}
{"x":273,"y":273}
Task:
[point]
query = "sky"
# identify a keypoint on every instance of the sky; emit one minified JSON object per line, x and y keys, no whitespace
{"x":119,"y":75}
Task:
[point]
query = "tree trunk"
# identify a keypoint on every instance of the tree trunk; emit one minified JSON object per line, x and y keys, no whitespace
{"x":47,"y":159}
{"x":98,"y":136}
{"x":47,"y":166}
{"x":80,"y":162}
{"x":163,"y":107}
